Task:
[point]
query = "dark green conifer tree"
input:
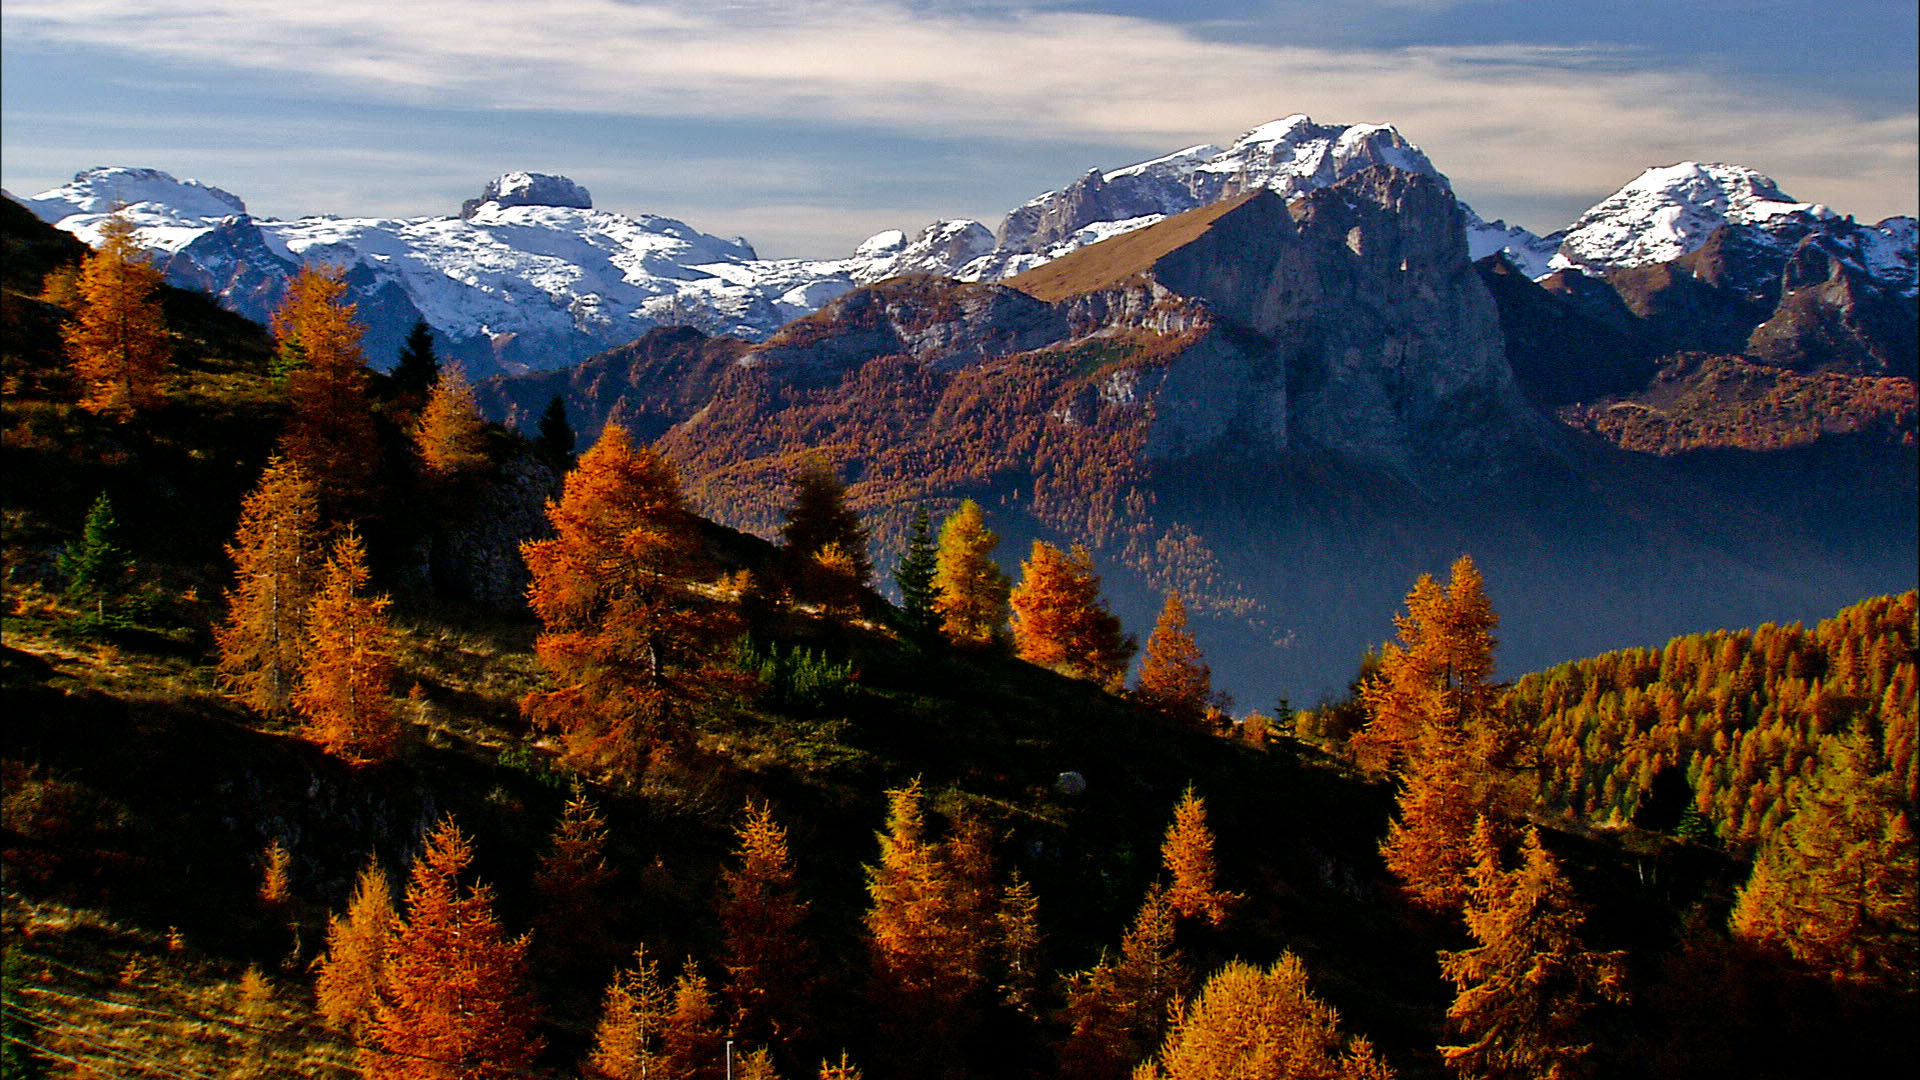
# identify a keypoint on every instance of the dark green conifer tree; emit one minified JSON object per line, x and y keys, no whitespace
{"x":914,"y":576}
{"x":95,"y":567}
{"x":418,"y":368}
{"x":556,"y":438}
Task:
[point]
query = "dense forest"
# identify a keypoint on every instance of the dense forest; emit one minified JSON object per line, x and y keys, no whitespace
{"x":351,"y":735}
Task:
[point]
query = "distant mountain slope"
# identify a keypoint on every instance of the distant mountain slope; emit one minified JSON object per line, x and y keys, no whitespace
{"x":1287,"y":410}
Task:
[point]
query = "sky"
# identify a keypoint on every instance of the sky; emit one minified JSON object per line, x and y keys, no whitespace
{"x":807,"y":125}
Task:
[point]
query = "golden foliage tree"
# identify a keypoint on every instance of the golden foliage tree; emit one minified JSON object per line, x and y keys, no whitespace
{"x":756,"y":1064}
{"x":694,"y":1039}
{"x":1116,"y":1010}
{"x":1060,"y":622}
{"x":276,"y":876}
{"x":1019,"y":947}
{"x":1187,"y":853}
{"x":925,"y":932}
{"x":117,"y":341}
{"x":1429,"y":844}
{"x":843,"y":1070}
{"x":277,"y":562}
{"x":451,"y":435}
{"x":349,"y":973}
{"x":346,"y":675}
{"x":970,"y":590}
{"x":1835,"y":888}
{"x":1525,"y":985}
{"x":1253,"y":1024}
{"x":330,"y":429}
{"x":630,"y":643}
{"x":633,"y":1021}
{"x":1175,"y":680}
{"x":572,"y":882}
{"x":768,"y":959}
{"x":1439,"y":670}
{"x":452,"y":1002}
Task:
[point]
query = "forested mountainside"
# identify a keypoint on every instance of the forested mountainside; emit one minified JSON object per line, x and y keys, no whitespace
{"x":292,"y":786}
{"x":1285,"y":411}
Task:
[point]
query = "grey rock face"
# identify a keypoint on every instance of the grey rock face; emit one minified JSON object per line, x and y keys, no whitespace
{"x":529,"y":189}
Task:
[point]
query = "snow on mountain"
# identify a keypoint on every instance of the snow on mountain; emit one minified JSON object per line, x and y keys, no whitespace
{"x":149,"y":196}
{"x":1530,"y":253}
{"x":1668,"y":212}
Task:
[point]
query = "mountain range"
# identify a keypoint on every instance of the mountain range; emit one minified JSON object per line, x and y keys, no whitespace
{"x":530,"y":275}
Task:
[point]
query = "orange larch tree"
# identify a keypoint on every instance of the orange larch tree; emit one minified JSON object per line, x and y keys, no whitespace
{"x":970,"y":590}
{"x":277,"y":563}
{"x":695,"y":1039}
{"x":349,"y":973}
{"x":1060,"y":622}
{"x":346,"y":677}
{"x":1250,"y":1024}
{"x":633,"y":1022}
{"x":1175,"y":680}
{"x":451,"y":435}
{"x":572,"y":881}
{"x":1019,"y":942}
{"x":768,"y":959}
{"x":330,"y":429}
{"x":630,"y":642}
{"x":452,"y":1001}
{"x":1187,"y":853}
{"x":117,"y":341}
{"x":1116,"y":1010}
{"x":1429,"y":844}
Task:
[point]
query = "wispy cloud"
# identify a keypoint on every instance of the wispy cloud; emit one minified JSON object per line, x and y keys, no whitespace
{"x":1521,"y":118}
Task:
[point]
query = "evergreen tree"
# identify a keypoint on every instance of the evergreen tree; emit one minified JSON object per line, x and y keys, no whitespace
{"x":1527,"y":982}
{"x":555,"y":436}
{"x":1187,"y":853}
{"x":631,"y":644}
{"x":1835,"y":888}
{"x":633,"y":1023}
{"x":572,"y":881}
{"x":277,"y":565}
{"x":970,"y":589}
{"x":768,"y":960}
{"x":451,"y":435}
{"x":330,"y":428}
{"x":349,"y":973}
{"x":96,"y":568}
{"x":452,"y":1002}
{"x":346,"y":675}
{"x":1250,"y":1024}
{"x":418,"y":369}
{"x":915,"y":574}
{"x":1060,"y":622}
{"x":1174,"y":680}
{"x":820,"y":518}
{"x":117,"y":341}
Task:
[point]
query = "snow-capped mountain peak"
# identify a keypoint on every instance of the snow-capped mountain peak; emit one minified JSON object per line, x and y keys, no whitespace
{"x":148,"y":196}
{"x":529,"y":189}
{"x":1670,"y":211}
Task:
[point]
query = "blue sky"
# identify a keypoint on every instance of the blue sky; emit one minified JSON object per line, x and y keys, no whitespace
{"x":805,"y":125}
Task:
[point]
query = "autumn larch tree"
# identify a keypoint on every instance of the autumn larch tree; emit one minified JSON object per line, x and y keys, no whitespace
{"x":633,"y":1023}
{"x":631,"y":645}
{"x":1187,"y":853}
{"x":117,"y":341}
{"x":1526,"y":984}
{"x":277,"y":567}
{"x":1441,"y":668}
{"x":572,"y":881}
{"x":1253,"y":1024}
{"x":843,"y":1070}
{"x":417,"y":369}
{"x":1116,"y":1011}
{"x":1835,"y":889}
{"x":451,"y":436}
{"x":1429,"y":844}
{"x":768,"y":959}
{"x":1175,"y":680}
{"x":1060,"y":622}
{"x":921,"y":938}
{"x":330,"y":428}
{"x":349,"y":972}
{"x":346,"y":675}
{"x":695,"y":1039}
{"x":95,"y":567}
{"x":453,"y":1001}
{"x":756,"y":1064}
{"x":1019,"y":948}
{"x":971,"y":590}
{"x":915,"y":574}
